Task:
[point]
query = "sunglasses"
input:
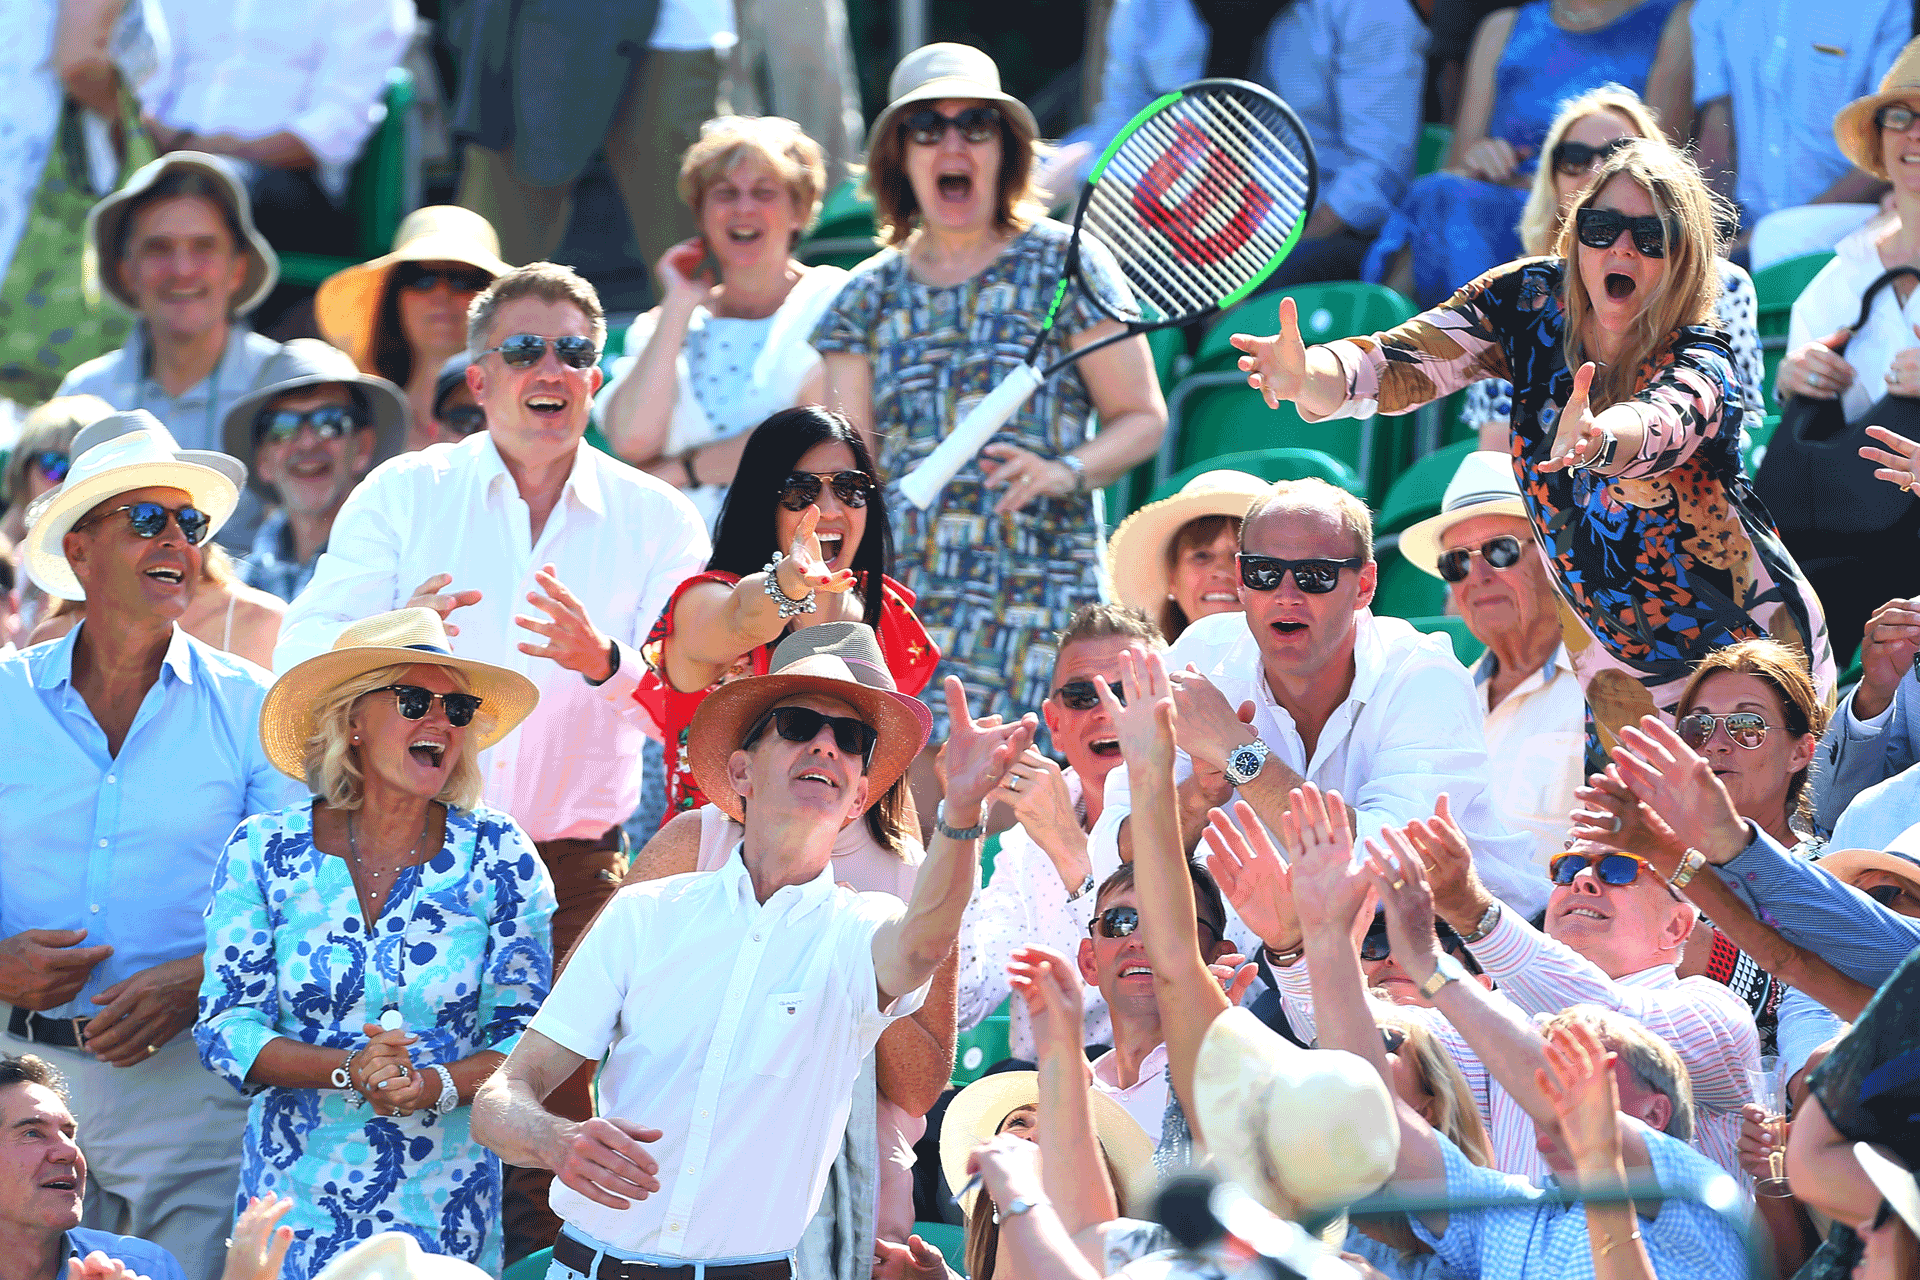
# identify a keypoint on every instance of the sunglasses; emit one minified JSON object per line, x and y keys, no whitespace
{"x":524,"y":350}
{"x":927,"y":126}
{"x":464,"y":420}
{"x":426,"y":279}
{"x":413,"y":702}
{"x":329,"y":422}
{"x":803,"y":724}
{"x":1616,"y":869}
{"x":1896,"y":119}
{"x":801,"y":489}
{"x":1599,"y":228}
{"x":1120,"y":922}
{"x":1084,"y":695}
{"x":1393,"y":1038}
{"x":1747,"y":728}
{"x":1376,"y":946}
{"x":53,"y":464}
{"x":1315,"y":577}
{"x":1575,"y":158}
{"x":1885,"y":894}
{"x":1502,"y":552}
{"x":149,"y":520}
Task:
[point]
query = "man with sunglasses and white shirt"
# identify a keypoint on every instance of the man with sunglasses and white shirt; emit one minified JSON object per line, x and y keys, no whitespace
{"x":1482,"y":545}
{"x":523,"y":513}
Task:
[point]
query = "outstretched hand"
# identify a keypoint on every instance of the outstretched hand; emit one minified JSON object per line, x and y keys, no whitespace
{"x":802,"y":570}
{"x":1049,"y":985}
{"x":1442,"y":848}
{"x":1396,"y":871}
{"x":1612,"y":817}
{"x":1676,"y":782}
{"x":259,"y":1242}
{"x":1578,"y":1082}
{"x":1275,"y":366}
{"x":1327,"y":887}
{"x":1145,"y":725}
{"x":1899,"y":463}
{"x":978,"y":752}
{"x":1576,"y":437}
{"x":1253,"y":876}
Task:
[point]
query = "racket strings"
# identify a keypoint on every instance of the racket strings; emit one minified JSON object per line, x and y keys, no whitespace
{"x":1262,"y":186}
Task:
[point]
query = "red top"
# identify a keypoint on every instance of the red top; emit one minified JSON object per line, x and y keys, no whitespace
{"x":910,"y":653}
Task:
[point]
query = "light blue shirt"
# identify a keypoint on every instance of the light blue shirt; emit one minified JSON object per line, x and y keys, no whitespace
{"x":1788,"y":65}
{"x":1880,"y":814}
{"x":1812,"y":908}
{"x":124,"y":846}
{"x":1350,"y":69}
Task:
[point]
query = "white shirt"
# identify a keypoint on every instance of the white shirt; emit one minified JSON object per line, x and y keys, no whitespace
{"x":737,"y":1029}
{"x":1408,"y":730}
{"x":620,"y":541}
{"x":1536,"y":750}
{"x":1831,"y":301}
{"x":1146,"y":1099}
{"x":694,"y":24}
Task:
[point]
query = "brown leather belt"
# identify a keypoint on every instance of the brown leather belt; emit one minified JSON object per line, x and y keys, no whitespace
{"x":577,"y":1256}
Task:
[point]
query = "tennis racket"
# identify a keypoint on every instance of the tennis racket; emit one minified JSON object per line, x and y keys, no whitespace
{"x":1199,"y":198}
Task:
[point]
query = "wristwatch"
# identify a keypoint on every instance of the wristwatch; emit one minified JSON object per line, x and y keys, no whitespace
{"x":1609,"y":445}
{"x":1445,"y":970}
{"x":973,"y":832}
{"x":1689,"y":868}
{"x":1079,"y":468}
{"x":1485,"y":927}
{"x":1017,"y":1206}
{"x":449,"y":1092}
{"x":1244,"y":763}
{"x":1086,"y":887}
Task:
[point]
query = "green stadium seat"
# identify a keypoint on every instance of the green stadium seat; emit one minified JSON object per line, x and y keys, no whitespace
{"x":977,"y":1049}
{"x":1405,"y":591}
{"x":1434,"y":141}
{"x":1775,"y":290}
{"x":950,"y":1240}
{"x":533,"y":1266}
{"x":1339,"y":309}
{"x":1284,"y":463}
{"x":1465,"y":646}
{"x":378,"y":194}
{"x":1753,"y":444}
{"x":1214,"y":420}
{"x":843,"y":237}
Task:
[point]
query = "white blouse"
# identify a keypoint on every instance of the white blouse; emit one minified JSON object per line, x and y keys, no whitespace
{"x":1831,"y":300}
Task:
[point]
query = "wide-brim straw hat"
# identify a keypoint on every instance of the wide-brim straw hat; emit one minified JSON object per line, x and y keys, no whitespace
{"x":347,"y":305}
{"x":1853,"y":126}
{"x":976,"y":1113}
{"x":936,"y":71}
{"x":1896,"y":860}
{"x":834,"y":659}
{"x":1482,"y":486}
{"x":118,"y":454}
{"x":105,"y":220}
{"x":1137,"y":551}
{"x":309,"y":362}
{"x":1301,"y":1130}
{"x":404,"y":637}
{"x":394,"y":1255}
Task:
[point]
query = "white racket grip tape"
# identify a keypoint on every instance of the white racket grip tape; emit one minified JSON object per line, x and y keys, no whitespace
{"x":924,"y":483}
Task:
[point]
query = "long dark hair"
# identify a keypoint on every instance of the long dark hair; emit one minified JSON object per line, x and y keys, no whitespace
{"x":392,"y":355}
{"x":744,"y":538}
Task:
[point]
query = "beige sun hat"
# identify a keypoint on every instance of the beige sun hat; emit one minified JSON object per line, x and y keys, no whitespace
{"x":403,"y":637}
{"x":1853,"y":126}
{"x":347,"y":305}
{"x":1482,"y":486}
{"x":106,"y":220}
{"x":309,"y":362}
{"x":977,"y":1111}
{"x":118,"y":454}
{"x":936,"y":71}
{"x":394,"y":1255}
{"x":1901,"y":858}
{"x":1137,"y":551}
{"x":1301,"y":1130}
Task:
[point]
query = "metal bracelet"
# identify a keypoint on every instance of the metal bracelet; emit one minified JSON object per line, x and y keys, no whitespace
{"x":787,"y":604}
{"x":449,"y":1092}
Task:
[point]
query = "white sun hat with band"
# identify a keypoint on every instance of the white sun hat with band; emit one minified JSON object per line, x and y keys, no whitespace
{"x":1483,"y":486}
{"x":934,"y":72}
{"x":106,"y":226}
{"x":977,"y":1112}
{"x":1137,"y":551}
{"x":134,"y":451}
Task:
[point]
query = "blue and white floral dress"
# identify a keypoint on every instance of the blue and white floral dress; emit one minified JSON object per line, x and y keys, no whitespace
{"x":461,"y":949}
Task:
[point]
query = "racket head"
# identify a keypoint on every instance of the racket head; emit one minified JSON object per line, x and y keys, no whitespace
{"x":1199,"y":198}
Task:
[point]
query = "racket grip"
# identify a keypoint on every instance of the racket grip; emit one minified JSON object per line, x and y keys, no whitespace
{"x":924,"y":483}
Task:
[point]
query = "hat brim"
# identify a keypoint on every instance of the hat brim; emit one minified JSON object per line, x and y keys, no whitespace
{"x":286,"y":714}
{"x":104,"y":222}
{"x":1420,"y":543}
{"x":1894,"y":1181}
{"x":1137,"y":551}
{"x":976,"y":1112}
{"x":724,"y":716}
{"x":211,"y":490}
{"x":1858,"y":137}
{"x":956,"y":87}
{"x":346,"y":307}
{"x":391,"y":414}
{"x":1843,"y":864}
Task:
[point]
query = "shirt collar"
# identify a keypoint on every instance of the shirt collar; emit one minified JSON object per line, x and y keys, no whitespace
{"x":583,"y":481}
{"x":1369,"y":658}
{"x":54,"y":666}
{"x":1483,"y":669}
{"x":738,"y":885}
{"x":228,"y":372}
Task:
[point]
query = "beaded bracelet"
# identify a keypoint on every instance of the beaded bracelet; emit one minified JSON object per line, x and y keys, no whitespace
{"x":788,"y":605}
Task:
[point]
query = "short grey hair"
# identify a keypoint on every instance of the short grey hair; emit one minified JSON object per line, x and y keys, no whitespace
{"x":26,"y":1068}
{"x":547,"y":281}
{"x":1652,"y":1060}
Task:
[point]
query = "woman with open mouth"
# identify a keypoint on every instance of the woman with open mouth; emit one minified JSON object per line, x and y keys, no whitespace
{"x":1625,"y":430}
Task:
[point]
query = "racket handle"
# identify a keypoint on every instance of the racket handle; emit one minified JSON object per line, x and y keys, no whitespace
{"x":924,"y":483}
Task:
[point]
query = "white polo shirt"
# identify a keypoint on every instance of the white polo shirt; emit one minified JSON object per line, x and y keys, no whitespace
{"x":738,"y":1029}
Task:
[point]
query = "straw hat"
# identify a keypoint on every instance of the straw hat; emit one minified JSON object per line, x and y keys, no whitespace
{"x":936,"y":71}
{"x":1899,"y":859}
{"x":106,"y":219}
{"x":1483,"y":486}
{"x":839,"y":659}
{"x":1300,"y":1129}
{"x":1137,"y":551}
{"x":404,"y":637}
{"x":394,"y":1255}
{"x":309,"y":362}
{"x":1853,"y":127}
{"x":347,"y":306}
{"x":118,"y":454}
{"x":976,"y":1112}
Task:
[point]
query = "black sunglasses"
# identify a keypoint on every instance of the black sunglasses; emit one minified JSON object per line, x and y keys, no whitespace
{"x":1315,"y":577}
{"x":927,"y":126}
{"x":1885,"y":894}
{"x":53,"y":464}
{"x":801,"y":489}
{"x":149,"y":520}
{"x":1896,"y":118}
{"x":524,"y":350}
{"x":413,"y":702}
{"x":1502,"y":552}
{"x":1575,"y":158}
{"x":1120,"y":922}
{"x":464,"y":419}
{"x":424,"y":279}
{"x":1599,"y":228}
{"x":1084,"y":695}
{"x":1393,"y":1039}
{"x":1747,"y":728}
{"x":803,"y":724}
{"x":329,"y":422}
{"x":1376,"y":946}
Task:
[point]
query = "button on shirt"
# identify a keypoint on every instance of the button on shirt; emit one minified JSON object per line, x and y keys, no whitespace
{"x":620,"y":541}
{"x":124,"y":846}
{"x":1146,"y":1098}
{"x":1536,"y":745}
{"x":736,"y":1028}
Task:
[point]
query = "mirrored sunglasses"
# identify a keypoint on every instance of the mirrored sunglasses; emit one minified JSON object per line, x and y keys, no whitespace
{"x":1573,"y":159}
{"x":53,"y":464}
{"x":1502,"y":552}
{"x":803,"y":724}
{"x":1616,"y":869}
{"x":1746,"y":728}
{"x":413,"y":702}
{"x":927,"y":126}
{"x":149,"y":520}
{"x":1120,"y":922}
{"x":329,"y":422}
{"x":1315,"y":577}
{"x":524,"y":350}
{"x":801,"y":489}
{"x":1084,"y":695}
{"x":416,"y":279}
{"x":1599,"y":228}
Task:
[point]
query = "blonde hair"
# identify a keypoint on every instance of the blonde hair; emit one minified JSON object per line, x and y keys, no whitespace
{"x":1686,"y":291}
{"x":1540,"y":220}
{"x":777,"y":142}
{"x":1455,"y":1113}
{"x":1652,"y":1060}
{"x":1313,"y":493}
{"x":330,"y":759}
{"x":896,"y":209}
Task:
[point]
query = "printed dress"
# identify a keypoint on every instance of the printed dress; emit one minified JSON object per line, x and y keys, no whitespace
{"x":461,"y":949}
{"x":1661,"y":564}
{"x":993,"y":591}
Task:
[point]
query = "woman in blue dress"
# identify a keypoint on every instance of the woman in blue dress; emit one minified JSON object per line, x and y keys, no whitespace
{"x":373,"y":955}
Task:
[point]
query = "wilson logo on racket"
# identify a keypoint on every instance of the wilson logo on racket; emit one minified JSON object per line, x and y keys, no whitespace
{"x":1189,"y":186}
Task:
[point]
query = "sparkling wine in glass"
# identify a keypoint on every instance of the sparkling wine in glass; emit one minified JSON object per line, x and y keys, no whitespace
{"x":1769,"y":1086}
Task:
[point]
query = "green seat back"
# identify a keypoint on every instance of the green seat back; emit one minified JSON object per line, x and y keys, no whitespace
{"x":1774,"y":289}
{"x":950,"y":1240}
{"x":1434,"y":141}
{"x":532,"y":1267}
{"x":1417,"y":491}
{"x":1339,"y":309}
{"x":979,"y":1048}
{"x":1753,"y":444}
{"x":377,"y":192}
{"x":1465,"y":646}
{"x":1404,"y":591}
{"x":1285,"y":463}
{"x":1236,"y":419}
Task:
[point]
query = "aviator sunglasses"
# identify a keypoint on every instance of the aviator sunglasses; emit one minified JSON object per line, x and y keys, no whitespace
{"x":1599,"y":228}
{"x":927,"y":126}
{"x":803,"y":724}
{"x":801,"y":489}
{"x":1084,"y":695}
{"x":524,"y":350}
{"x":413,"y":702}
{"x":1502,"y":552}
{"x":1747,"y":728}
{"x":1575,"y":158}
{"x":464,"y":419}
{"x":329,"y":422}
{"x":149,"y":520}
{"x":1120,"y":922}
{"x":1315,"y":577}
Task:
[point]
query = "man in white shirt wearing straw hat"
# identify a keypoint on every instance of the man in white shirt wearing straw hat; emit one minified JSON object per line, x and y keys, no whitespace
{"x":734,"y":1007}
{"x":132,"y":752}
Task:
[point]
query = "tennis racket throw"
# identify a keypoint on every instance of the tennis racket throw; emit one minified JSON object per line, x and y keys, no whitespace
{"x":1199,"y":198}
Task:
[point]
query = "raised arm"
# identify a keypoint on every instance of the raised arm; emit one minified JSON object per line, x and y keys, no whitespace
{"x":1075,"y":1176}
{"x":1579,"y":1082}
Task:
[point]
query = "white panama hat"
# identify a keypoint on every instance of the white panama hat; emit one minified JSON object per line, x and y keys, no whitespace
{"x":1482,"y":486}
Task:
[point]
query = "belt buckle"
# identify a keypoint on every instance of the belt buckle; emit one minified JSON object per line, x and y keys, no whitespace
{"x":80,"y":1025}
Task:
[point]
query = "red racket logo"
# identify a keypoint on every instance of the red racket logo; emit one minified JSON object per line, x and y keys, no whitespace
{"x":1195,"y":182}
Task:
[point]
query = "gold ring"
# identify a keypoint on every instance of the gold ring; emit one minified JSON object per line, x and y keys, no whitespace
{"x":152,"y":1049}
{"x":1399,"y":884}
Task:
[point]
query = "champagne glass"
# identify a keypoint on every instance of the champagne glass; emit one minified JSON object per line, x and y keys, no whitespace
{"x":1769,"y":1086}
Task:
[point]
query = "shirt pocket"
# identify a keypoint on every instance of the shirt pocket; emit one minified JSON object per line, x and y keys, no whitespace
{"x":784,"y":1032}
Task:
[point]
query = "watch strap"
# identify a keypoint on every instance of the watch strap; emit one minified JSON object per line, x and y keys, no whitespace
{"x":973,"y":832}
{"x":1689,"y":868}
{"x":1241,"y":777}
{"x":449,"y":1091}
{"x":1282,"y":959}
{"x":1086,"y":887}
{"x":1485,"y":927}
{"x":1447,"y":970}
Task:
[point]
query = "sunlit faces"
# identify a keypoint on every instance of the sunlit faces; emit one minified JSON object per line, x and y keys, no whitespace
{"x":43,"y":1176}
{"x":313,"y":476}
{"x":123,"y":572}
{"x":536,"y":415}
{"x":1619,"y":279}
{"x":1594,"y":131}
{"x":433,"y":319}
{"x":841,"y":527}
{"x":750,"y":215}
{"x":1205,"y":579}
{"x":1118,"y":966}
{"x":182,"y":266}
{"x":1086,"y":735}
{"x":1300,"y":634}
{"x":1758,"y":777}
{"x":1499,"y":601}
{"x":818,"y":776}
{"x":955,"y":182}
{"x":1022,"y":1122}
{"x":415,"y":757}
{"x":1623,"y":929}
{"x":1900,"y":150}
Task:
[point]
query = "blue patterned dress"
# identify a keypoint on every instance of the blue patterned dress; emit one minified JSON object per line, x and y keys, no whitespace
{"x":460,"y":948}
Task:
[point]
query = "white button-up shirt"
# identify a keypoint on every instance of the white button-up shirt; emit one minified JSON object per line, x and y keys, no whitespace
{"x":620,"y":541}
{"x":1408,"y":730}
{"x":736,"y":1028}
{"x":1536,"y":750}
{"x":1146,"y":1099}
